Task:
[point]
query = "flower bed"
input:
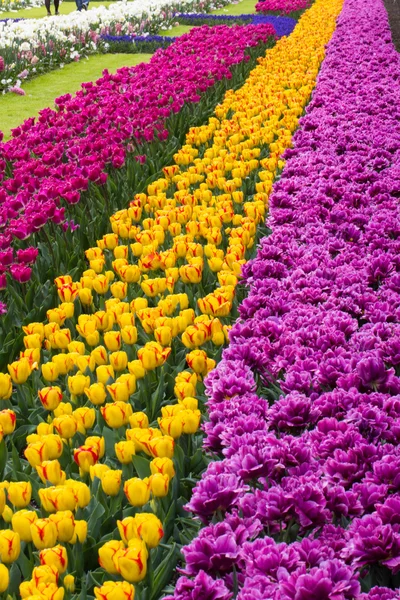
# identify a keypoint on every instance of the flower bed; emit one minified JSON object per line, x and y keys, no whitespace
{"x":14,"y":5}
{"x":34,"y":46}
{"x":115,"y":350}
{"x":282,"y":25}
{"x":304,"y":404}
{"x":284,"y":7}
{"x":142,"y":115}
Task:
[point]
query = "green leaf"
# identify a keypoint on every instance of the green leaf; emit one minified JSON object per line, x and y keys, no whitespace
{"x":163,"y":573}
{"x":3,"y":457}
{"x":142,"y":466}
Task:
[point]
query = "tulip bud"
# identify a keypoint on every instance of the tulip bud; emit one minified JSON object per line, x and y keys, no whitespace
{"x":125,"y":451}
{"x":137,"y":491}
{"x":65,"y":524}
{"x":5,"y":386}
{"x":21,"y":522}
{"x":5,"y":579}
{"x":55,"y":557}
{"x":20,"y":493}
{"x":96,"y":393}
{"x":136,"y":368}
{"x":7,"y":421}
{"x":127,"y":529}
{"x":131,"y":563}
{"x":44,"y":533}
{"x":115,"y":590}
{"x":104,"y":373}
{"x":81,"y":529}
{"x":69,"y":583}
{"x":159,"y":485}
{"x":85,"y":457}
{"x":107,"y":552}
{"x":66,"y":426}
{"x":116,"y":414}
{"x":111,"y":482}
{"x":139,"y":419}
{"x":10,"y":546}
{"x":50,"y":371}
{"x":77,"y":383}
{"x":50,"y":397}
{"x":149,"y":528}
{"x":118,"y":360}
{"x":85,"y":417}
{"x":20,"y":370}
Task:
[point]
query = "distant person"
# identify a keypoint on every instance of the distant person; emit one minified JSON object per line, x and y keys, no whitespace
{"x":82,"y":4}
{"x":56,"y":5}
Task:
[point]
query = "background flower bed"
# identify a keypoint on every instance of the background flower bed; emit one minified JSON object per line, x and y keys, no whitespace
{"x":33,"y":46}
{"x":313,"y":473}
{"x":143,"y":163}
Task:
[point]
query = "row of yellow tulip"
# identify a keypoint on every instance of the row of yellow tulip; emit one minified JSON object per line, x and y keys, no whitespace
{"x":159,"y":293}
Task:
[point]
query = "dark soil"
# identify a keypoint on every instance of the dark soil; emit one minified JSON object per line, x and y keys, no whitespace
{"x":393,"y":9}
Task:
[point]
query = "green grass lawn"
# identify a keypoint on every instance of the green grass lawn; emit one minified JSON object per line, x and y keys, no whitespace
{"x":37,"y":13}
{"x":41,"y":92}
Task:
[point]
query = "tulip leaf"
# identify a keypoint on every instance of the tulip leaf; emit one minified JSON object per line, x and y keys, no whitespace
{"x":3,"y":457}
{"x":25,"y":565}
{"x":15,"y":580}
{"x":164,"y":571}
{"x":96,"y":511}
{"x":142,"y":466}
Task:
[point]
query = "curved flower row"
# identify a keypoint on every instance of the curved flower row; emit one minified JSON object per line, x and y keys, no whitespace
{"x":32,"y":46}
{"x":106,"y":395}
{"x":284,"y":7}
{"x":309,"y":480}
{"x":100,"y":125}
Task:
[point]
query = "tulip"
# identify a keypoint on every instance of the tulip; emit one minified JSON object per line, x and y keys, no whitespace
{"x":116,"y":414}
{"x":136,"y":368}
{"x":85,"y":296}
{"x":172,"y":426}
{"x":50,"y":470}
{"x":125,"y":451}
{"x":85,"y":417}
{"x":100,"y":355}
{"x":98,"y":471}
{"x":64,"y":363}
{"x":112,"y":340}
{"x":115,"y":590}
{"x":44,"y":533}
{"x":153,"y":355}
{"x":104,"y":373}
{"x":78,"y":383}
{"x":57,"y":498}
{"x":5,"y":579}
{"x":20,"y":493}
{"x":10,"y":546}
{"x":5,"y":386}
{"x":149,"y":528}
{"x":85,"y":457}
{"x":33,"y":340}
{"x":50,"y":371}
{"x":66,"y":426}
{"x":43,"y":575}
{"x":55,"y":557}
{"x":50,"y":397}
{"x":191,"y":421}
{"x":53,"y":446}
{"x":21,"y":522}
{"x":127,"y":529}
{"x":129,"y":335}
{"x":107,"y":552}
{"x":20,"y":370}
{"x":69,"y":583}
{"x":162,"y":447}
{"x":137,"y":491}
{"x":81,"y":530}
{"x":36,"y":453}
{"x":159,"y":485}
{"x":80,"y":490}
{"x":7,"y":421}
{"x":111,"y":482}
{"x":2,"y":500}
{"x":98,"y":443}
{"x":64,"y":408}
{"x":96,"y":393}
{"x":139,"y":419}
{"x":119,"y":391}
{"x":131,"y":563}
{"x":65,"y":524}
{"x":118,"y":360}
{"x":165,"y":466}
